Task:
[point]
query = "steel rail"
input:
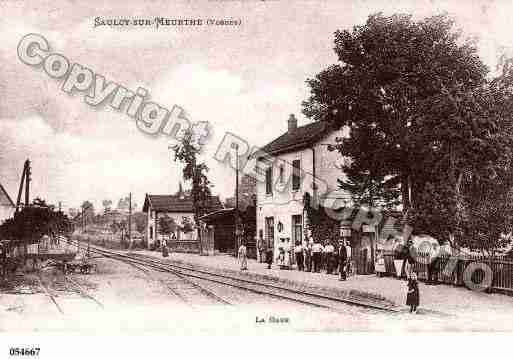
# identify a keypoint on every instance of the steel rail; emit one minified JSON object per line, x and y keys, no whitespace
{"x":253,"y":286}
{"x":147,"y":273}
{"x":206,"y":292}
{"x":248,"y":288}
{"x":351,"y":301}
{"x":45,"y":289}
{"x":175,"y":291}
{"x":154,"y":264}
{"x":83,"y":292}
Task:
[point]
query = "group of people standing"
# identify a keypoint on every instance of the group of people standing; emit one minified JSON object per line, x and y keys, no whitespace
{"x":314,"y":256}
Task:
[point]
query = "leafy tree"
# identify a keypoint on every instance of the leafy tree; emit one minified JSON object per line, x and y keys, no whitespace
{"x":367,"y":180}
{"x":186,"y":225}
{"x":489,"y":223}
{"x":437,"y":213}
{"x":465,"y":140}
{"x":73,"y":212}
{"x":187,"y":152}
{"x":115,"y":227}
{"x":320,"y":224}
{"x":88,"y":210}
{"x":124,"y":204}
{"x":167,"y":226}
{"x":387,"y":68}
{"x":422,"y":112}
{"x":34,"y":221}
{"x":107,"y":205}
{"x":141,"y":221}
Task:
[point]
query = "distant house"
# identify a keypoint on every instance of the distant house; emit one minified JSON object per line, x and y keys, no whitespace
{"x":7,"y":207}
{"x":179,"y":208}
{"x":114,"y":215}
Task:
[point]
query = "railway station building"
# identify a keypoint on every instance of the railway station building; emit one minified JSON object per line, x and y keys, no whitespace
{"x":301,"y":162}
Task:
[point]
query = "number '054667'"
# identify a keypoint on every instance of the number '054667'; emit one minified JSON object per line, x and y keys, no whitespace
{"x":24,"y":351}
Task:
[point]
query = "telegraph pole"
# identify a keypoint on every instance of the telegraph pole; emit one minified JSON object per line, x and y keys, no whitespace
{"x":27,"y":184}
{"x":130,"y":220}
{"x":237,"y":217}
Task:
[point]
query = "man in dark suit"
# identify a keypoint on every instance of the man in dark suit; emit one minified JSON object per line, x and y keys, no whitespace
{"x":342,"y":259}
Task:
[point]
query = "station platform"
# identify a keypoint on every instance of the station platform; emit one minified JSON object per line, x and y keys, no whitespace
{"x":439,"y":299}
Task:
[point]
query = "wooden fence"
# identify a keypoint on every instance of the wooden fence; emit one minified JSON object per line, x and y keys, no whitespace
{"x":467,"y":270}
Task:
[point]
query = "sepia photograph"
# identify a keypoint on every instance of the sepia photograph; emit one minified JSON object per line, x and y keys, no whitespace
{"x":246,"y":167}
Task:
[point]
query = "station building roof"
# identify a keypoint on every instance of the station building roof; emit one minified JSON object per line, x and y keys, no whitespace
{"x":5,"y":200}
{"x":177,"y":203}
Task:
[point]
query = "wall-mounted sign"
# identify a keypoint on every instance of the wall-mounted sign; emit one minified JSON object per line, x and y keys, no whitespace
{"x":368,"y":228}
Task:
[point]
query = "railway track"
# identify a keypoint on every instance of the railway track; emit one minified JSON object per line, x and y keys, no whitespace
{"x":264,"y":288}
{"x":77,"y":289}
{"x":49,"y":294}
{"x":273,"y":289}
{"x":83,"y":292}
{"x":182,"y":287}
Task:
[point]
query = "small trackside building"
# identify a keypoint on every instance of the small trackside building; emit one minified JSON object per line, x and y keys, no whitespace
{"x":179,"y":210}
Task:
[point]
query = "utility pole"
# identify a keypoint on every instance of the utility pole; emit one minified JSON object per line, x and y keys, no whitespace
{"x":237,"y":217}
{"x":27,"y":184}
{"x":197,"y":210}
{"x":130,"y":220}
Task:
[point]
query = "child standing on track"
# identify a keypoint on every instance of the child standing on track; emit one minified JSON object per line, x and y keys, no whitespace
{"x":413,"y":296}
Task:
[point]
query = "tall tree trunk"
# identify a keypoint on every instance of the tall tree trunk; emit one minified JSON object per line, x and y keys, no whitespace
{"x":405,"y":193}
{"x":373,"y":234}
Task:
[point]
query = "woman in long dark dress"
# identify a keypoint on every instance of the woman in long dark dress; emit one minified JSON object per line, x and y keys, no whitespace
{"x":413,"y":296}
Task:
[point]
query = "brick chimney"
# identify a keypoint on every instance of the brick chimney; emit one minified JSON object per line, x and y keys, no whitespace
{"x":292,"y":122}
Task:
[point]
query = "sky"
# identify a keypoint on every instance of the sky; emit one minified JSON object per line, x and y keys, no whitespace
{"x":245,"y":79}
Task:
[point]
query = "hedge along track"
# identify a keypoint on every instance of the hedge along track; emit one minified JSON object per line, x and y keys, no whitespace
{"x":274,"y":290}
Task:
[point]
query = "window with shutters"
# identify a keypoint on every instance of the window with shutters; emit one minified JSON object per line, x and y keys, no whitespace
{"x":297,"y":229}
{"x":296,"y":175}
{"x":282,"y":174}
{"x":269,"y":180}
{"x":269,"y":231}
